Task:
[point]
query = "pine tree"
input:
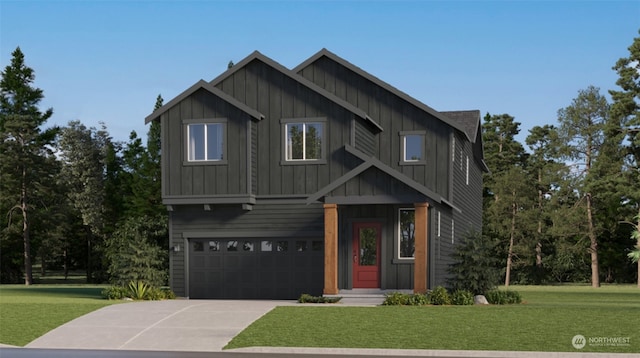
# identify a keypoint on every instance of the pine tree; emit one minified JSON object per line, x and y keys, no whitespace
{"x":625,"y":110}
{"x":24,"y":148}
{"x":581,"y":130}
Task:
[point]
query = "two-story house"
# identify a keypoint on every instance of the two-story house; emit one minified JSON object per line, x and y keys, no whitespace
{"x":322,"y":178}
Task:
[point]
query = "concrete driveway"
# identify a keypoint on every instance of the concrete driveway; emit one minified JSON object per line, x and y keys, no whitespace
{"x":172,"y":325}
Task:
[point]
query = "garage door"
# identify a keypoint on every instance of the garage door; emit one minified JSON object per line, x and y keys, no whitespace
{"x":255,"y":268}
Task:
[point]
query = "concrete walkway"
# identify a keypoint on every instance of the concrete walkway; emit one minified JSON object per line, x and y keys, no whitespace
{"x":207,"y":326}
{"x":172,"y":325}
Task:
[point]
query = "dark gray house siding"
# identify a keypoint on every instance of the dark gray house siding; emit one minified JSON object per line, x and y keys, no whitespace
{"x":395,"y":115}
{"x":270,"y":222}
{"x":253,"y":225}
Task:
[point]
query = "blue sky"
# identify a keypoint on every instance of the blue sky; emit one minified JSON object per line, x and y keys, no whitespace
{"x":106,"y":61}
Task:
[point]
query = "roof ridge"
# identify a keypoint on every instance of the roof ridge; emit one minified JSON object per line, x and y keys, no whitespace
{"x":376,"y":80}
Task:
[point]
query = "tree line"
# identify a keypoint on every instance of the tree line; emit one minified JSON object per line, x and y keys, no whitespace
{"x":565,"y":208}
{"x":72,"y":198}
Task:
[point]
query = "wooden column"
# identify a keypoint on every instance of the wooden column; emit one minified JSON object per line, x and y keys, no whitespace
{"x":421,"y":248}
{"x":330,"y":249}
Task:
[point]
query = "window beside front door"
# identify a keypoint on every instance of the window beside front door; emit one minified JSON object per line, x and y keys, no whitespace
{"x":304,"y":141}
{"x":406,"y":237}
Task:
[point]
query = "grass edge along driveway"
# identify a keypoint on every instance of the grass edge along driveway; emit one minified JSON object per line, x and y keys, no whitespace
{"x":27,"y":313}
{"x":548,"y":320}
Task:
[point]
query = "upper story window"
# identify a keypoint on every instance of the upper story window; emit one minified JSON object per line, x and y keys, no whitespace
{"x":304,"y":140}
{"x":412,"y":147}
{"x":206,"y":141}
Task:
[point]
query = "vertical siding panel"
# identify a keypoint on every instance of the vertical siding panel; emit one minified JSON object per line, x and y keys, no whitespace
{"x":239,"y":85}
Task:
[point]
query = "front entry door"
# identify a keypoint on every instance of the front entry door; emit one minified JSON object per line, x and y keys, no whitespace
{"x":366,"y":255}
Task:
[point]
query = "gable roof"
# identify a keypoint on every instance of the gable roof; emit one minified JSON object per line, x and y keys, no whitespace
{"x":469,"y":120}
{"x":202,"y":84}
{"x":256,"y":55}
{"x":326,"y":53}
{"x":369,"y":162}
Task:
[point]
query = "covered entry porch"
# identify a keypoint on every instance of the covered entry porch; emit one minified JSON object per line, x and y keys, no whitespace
{"x":366,"y":246}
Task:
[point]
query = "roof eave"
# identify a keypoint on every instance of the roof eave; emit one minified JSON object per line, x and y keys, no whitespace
{"x":202,"y":84}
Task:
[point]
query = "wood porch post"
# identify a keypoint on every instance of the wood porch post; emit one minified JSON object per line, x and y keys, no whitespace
{"x":330,"y":249}
{"x":421,"y":248}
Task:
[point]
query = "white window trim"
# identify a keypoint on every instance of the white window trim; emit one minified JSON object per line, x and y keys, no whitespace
{"x":467,"y":179}
{"x":222,"y":121}
{"x":453,"y":231}
{"x":304,"y":121}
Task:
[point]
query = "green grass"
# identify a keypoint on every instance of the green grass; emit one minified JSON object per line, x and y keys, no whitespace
{"x":547,"y":321}
{"x":27,"y":313}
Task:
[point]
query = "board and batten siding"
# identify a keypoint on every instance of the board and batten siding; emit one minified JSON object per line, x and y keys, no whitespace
{"x":279,"y":98}
{"x":230,"y":221}
{"x":182,"y":178}
{"x":394,"y":115}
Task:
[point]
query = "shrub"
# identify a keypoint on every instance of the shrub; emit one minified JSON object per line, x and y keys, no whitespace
{"x":439,"y":296}
{"x":503,"y":297}
{"x":306,"y":298}
{"x":138,"y":290}
{"x":396,"y":299}
{"x":115,"y":293}
{"x":405,"y":299}
{"x":475,"y":267}
{"x":462,"y":298}
{"x":418,"y":299}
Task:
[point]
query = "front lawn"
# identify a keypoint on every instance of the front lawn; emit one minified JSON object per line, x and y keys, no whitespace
{"x":27,"y":313}
{"x":548,"y":320}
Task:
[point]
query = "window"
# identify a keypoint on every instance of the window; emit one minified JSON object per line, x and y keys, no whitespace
{"x":205,"y":142}
{"x":467,"y":180}
{"x":406,"y":237}
{"x":453,"y":231}
{"x":412,"y":147}
{"x":303,"y":141}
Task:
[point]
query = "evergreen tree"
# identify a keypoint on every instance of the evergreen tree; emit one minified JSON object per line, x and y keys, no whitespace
{"x":25,"y":153}
{"x":625,"y":110}
{"x":581,"y":131}
{"x":502,"y":197}
{"x":547,"y":173}
{"x":83,"y":154}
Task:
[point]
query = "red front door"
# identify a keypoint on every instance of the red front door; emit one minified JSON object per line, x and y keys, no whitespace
{"x":366,"y":255}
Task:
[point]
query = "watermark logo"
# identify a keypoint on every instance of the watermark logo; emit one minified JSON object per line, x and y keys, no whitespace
{"x":579,"y":341}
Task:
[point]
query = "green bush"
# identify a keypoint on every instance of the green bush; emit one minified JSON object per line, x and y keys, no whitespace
{"x":462,"y":298}
{"x":405,"y":299}
{"x":138,"y":290}
{"x":503,"y":297}
{"x":439,"y":296}
{"x":115,"y":293}
{"x":396,"y":299}
{"x":475,"y":267}
{"x":418,"y":299}
{"x":307,"y":298}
